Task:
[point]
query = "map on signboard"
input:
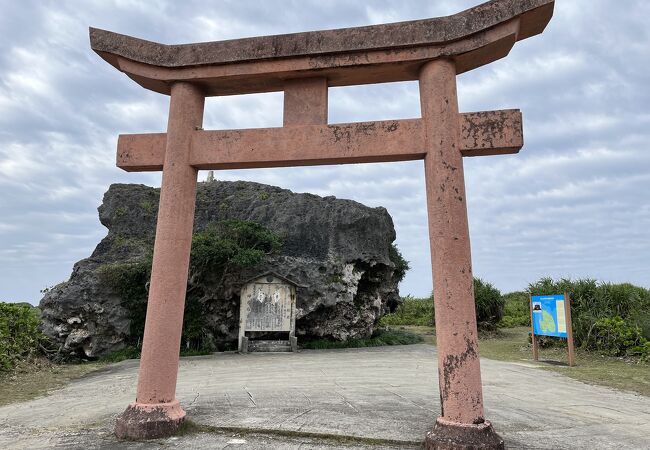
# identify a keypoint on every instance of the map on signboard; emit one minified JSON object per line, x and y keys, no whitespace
{"x":549,"y":317}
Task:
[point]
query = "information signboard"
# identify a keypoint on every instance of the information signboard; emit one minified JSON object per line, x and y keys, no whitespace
{"x":549,"y":315}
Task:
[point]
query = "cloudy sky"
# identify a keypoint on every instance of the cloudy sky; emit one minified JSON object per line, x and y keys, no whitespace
{"x":574,"y":203}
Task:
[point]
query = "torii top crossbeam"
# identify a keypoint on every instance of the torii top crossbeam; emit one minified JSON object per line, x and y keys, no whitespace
{"x":304,"y":65}
{"x":348,"y":56}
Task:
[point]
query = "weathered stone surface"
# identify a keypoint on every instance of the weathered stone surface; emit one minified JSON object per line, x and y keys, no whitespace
{"x":338,"y":249}
{"x":438,"y":30}
{"x":482,"y":133}
{"x":372,"y":54}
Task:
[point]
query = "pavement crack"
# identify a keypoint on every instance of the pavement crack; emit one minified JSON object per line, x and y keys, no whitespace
{"x":345,"y":400}
{"x":301,"y":414}
{"x":250,"y":397}
{"x":592,"y":407}
{"x":289,"y":419}
{"x":408,"y":400}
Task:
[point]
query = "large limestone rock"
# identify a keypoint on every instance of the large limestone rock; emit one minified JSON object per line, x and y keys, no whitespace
{"x":339,"y":250}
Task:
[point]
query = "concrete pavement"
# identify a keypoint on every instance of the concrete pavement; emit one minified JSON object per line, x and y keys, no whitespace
{"x":357,"y":398}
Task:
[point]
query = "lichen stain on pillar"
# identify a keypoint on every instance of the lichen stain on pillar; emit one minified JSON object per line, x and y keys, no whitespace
{"x":453,"y":368}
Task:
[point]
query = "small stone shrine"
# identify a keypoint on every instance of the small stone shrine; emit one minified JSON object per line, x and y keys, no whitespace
{"x":268,"y":307}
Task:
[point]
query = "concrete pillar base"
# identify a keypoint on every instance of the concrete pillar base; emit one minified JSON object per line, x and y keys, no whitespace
{"x":448,"y":435}
{"x":149,"y":421}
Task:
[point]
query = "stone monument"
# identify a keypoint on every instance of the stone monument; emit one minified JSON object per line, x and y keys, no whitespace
{"x":303,"y":66}
{"x":268,"y":305}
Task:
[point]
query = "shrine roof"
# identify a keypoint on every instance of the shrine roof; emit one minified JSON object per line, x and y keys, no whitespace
{"x":275,"y":275}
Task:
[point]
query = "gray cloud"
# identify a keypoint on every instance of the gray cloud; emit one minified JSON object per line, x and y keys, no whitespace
{"x":574,"y":202}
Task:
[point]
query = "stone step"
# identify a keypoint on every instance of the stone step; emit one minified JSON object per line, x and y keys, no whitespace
{"x":269,"y":346}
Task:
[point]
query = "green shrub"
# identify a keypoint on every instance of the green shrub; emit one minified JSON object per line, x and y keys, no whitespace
{"x":516,"y":312}
{"x":129,"y":280}
{"x":379,"y":338}
{"x":412,"y":311}
{"x":231,"y":243}
{"x":129,"y":352}
{"x":19,"y":333}
{"x":642,"y":352}
{"x":132,"y":352}
{"x":401,"y":265}
{"x":216,"y":251}
{"x":419,"y":311}
{"x":606,"y":317}
{"x":489,"y":304}
{"x":615,"y":337}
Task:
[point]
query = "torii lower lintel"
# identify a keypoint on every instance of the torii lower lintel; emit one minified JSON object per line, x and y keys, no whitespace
{"x":482,"y":134}
{"x":303,"y":65}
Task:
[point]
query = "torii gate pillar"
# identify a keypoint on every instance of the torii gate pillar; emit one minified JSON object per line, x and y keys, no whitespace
{"x":156,"y":410}
{"x":459,"y":372}
{"x":303,"y":66}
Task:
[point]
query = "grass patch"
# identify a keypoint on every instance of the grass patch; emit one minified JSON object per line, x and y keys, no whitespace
{"x":35,"y":377}
{"x":511,"y":345}
{"x":379,"y":339}
{"x":591,"y":367}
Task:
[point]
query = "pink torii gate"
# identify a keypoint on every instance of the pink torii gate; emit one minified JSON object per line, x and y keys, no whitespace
{"x":303,"y":66}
